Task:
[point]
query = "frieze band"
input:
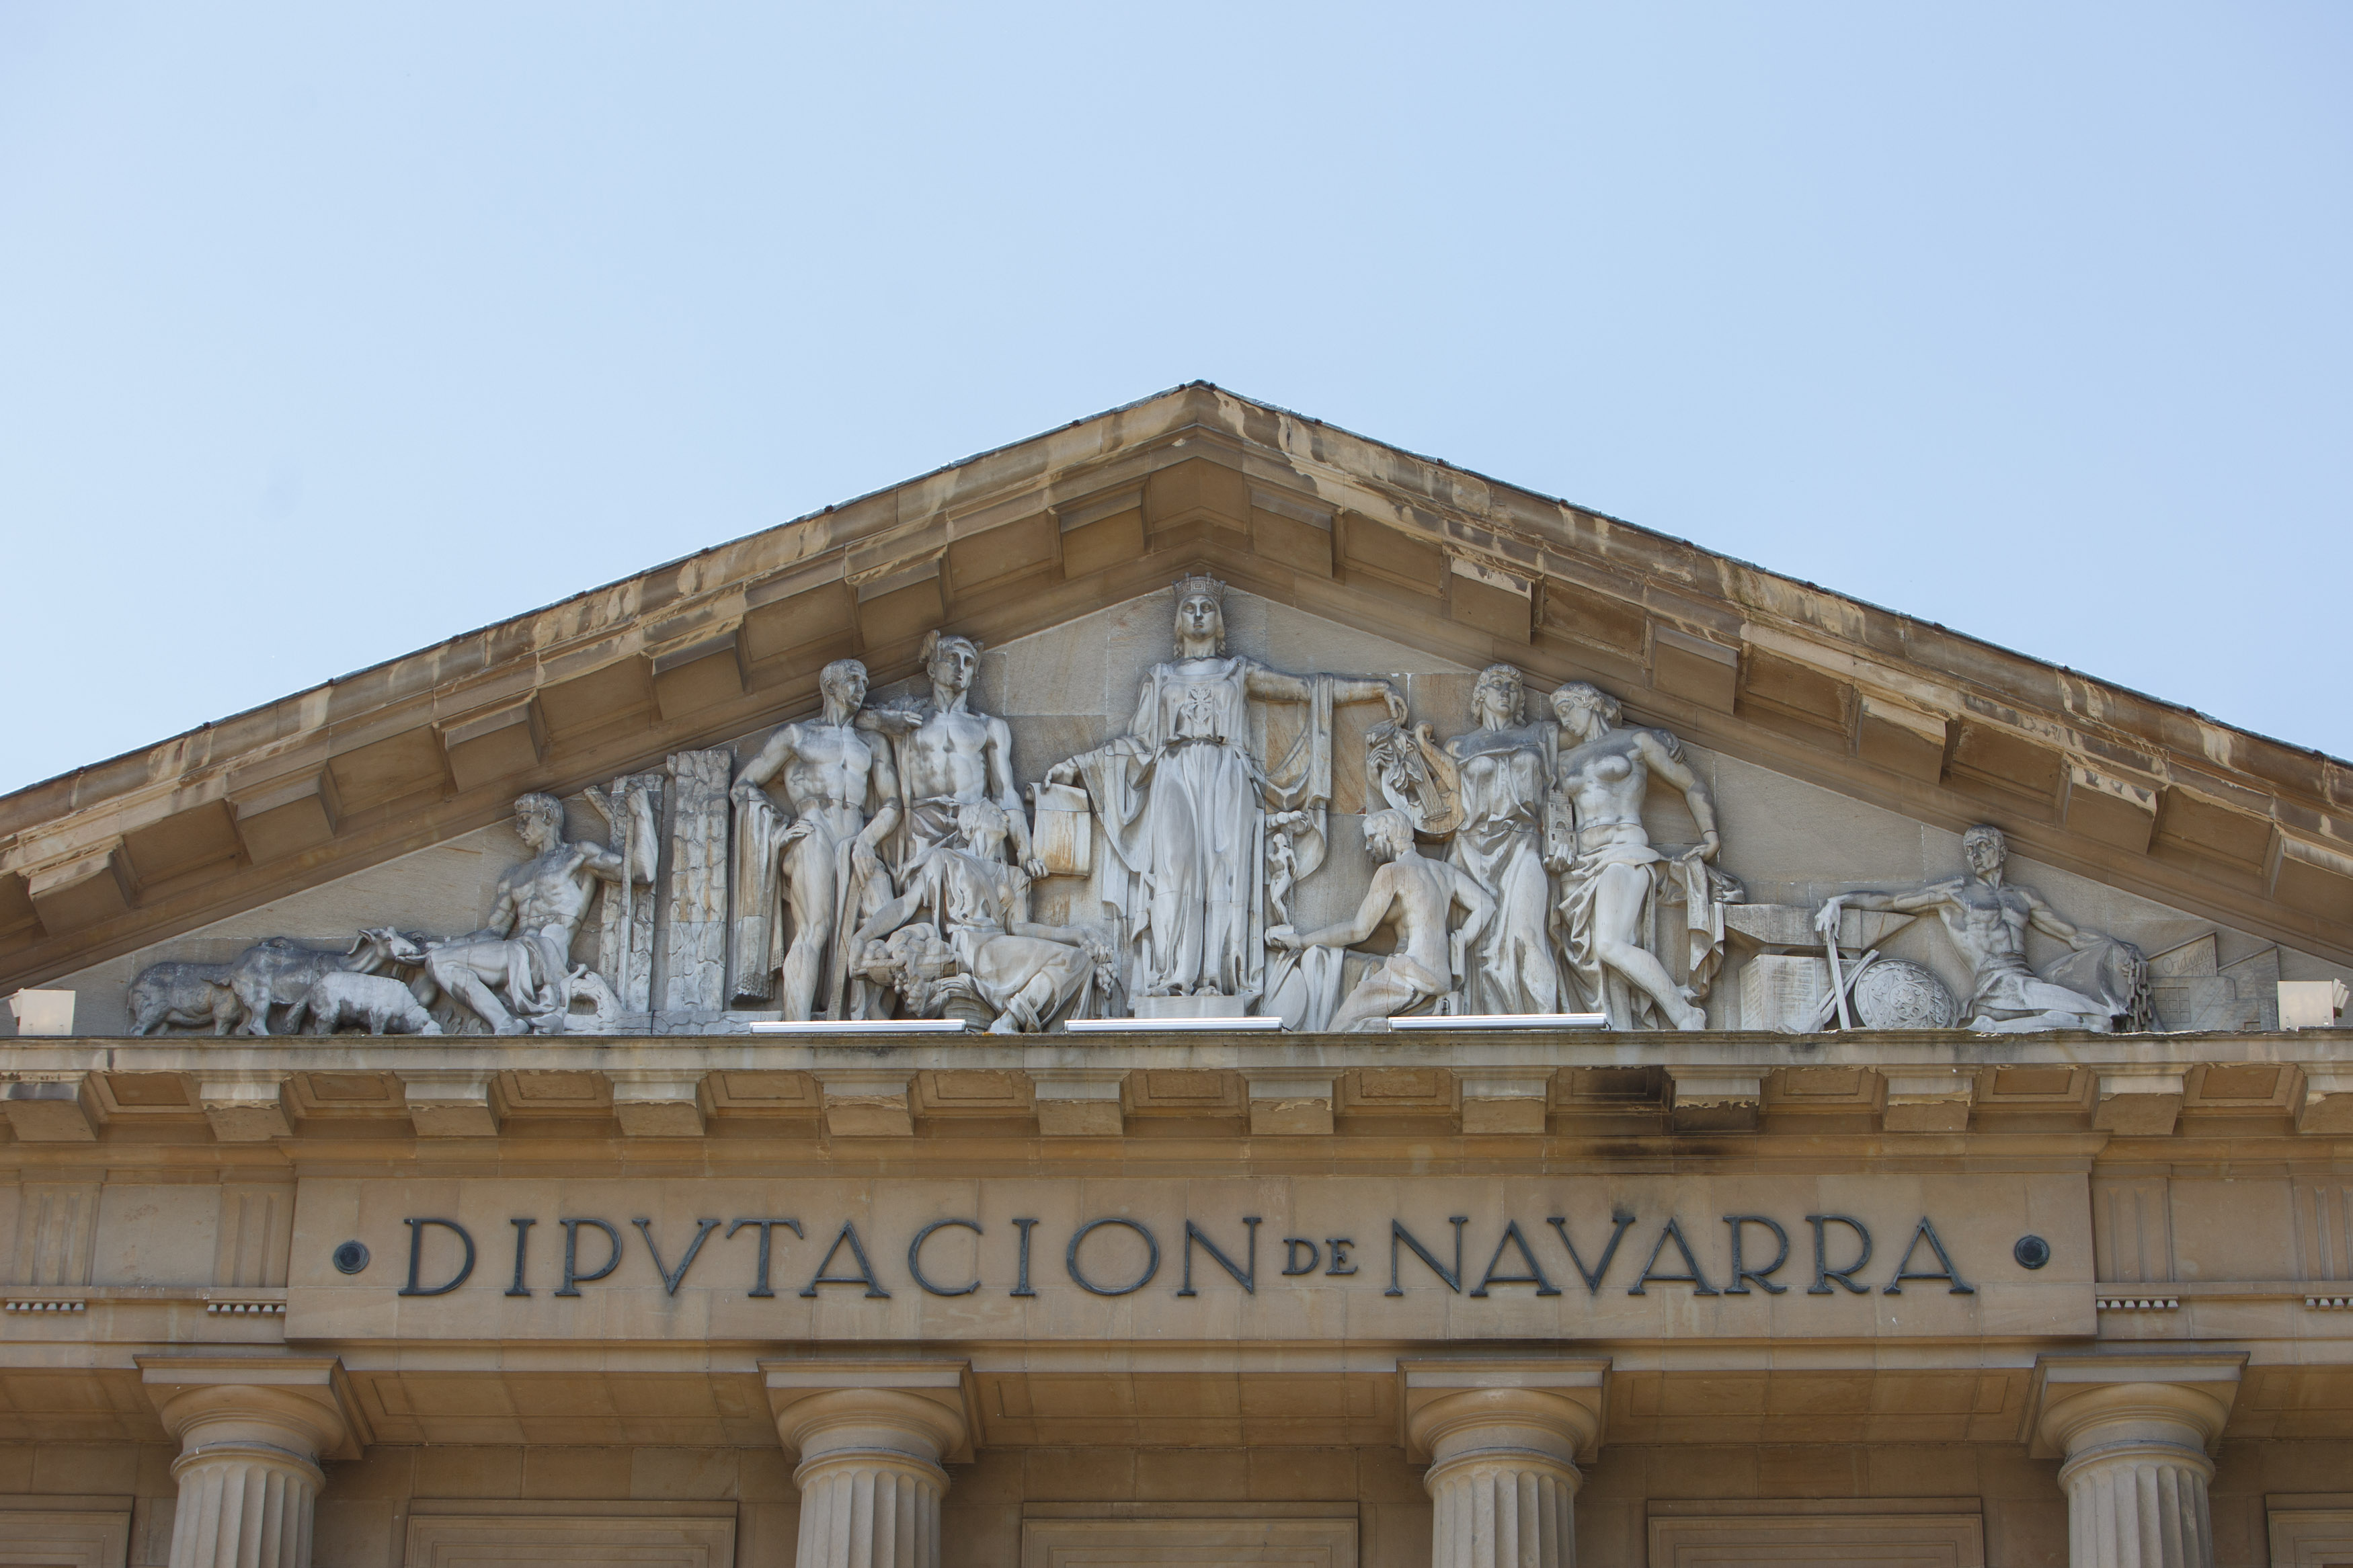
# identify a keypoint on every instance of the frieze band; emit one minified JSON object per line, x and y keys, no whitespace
{"x":878,"y":861}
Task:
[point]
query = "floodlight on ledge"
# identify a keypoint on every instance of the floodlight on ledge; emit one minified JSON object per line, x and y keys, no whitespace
{"x":1130,"y":1026}
{"x":1504,"y":1021}
{"x":859,"y":1027}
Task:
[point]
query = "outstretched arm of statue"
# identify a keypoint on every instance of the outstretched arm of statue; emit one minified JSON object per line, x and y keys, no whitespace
{"x":1479,"y":908}
{"x":1273,"y":686}
{"x":1561,"y":833}
{"x":893,"y":721}
{"x":644,"y":836}
{"x":767,"y":764}
{"x":891,"y":916}
{"x":1370,"y":691}
{"x":604,"y":865}
{"x":1347,"y":932}
{"x":1007,"y":794}
{"x":1916,"y":901}
{"x":1668,"y":763}
{"x":2050,"y":922}
{"x":882,"y":785}
{"x":506,"y":911}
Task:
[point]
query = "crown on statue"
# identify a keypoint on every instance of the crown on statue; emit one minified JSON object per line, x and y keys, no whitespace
{"x":1210,"y":587}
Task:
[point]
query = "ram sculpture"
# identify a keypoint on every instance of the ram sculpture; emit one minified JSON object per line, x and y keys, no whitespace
{"x":379,"y":1003}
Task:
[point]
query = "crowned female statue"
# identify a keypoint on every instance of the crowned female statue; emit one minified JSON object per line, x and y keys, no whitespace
{"x":1185,"y":796}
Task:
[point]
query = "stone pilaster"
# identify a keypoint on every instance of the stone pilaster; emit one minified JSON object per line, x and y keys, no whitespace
{"x":252,"y":1430}
{"x":870,"y":1438}
{"x":1503,"y":1441}
{"x":2134,"y":1431}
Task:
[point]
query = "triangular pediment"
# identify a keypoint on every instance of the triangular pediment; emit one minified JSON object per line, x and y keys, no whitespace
{"x":1838,"y":730}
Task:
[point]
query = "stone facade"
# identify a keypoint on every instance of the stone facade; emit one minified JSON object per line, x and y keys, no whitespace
{"x":1461,"y":1033}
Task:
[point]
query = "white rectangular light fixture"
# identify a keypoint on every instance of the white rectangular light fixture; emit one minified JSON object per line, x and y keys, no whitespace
{"x":1135,"y":1026}
{"x":42,"y":1011}
{"x":1504,"y":1021}
{"x":859,"y":1027}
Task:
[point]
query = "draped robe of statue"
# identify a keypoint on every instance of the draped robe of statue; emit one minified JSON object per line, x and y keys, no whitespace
{"x":1505,"y":778}
{"x":1183,"y":799}
{"x":1591,"y":850}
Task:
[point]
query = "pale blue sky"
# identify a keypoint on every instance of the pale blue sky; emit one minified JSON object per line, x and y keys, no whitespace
{"x":330,"y":332}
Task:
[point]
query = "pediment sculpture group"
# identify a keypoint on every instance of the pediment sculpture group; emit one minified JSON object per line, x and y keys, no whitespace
{"x":880,"y":861}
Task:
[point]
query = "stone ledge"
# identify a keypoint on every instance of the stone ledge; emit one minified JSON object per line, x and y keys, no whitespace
{"x":677,"y":1087}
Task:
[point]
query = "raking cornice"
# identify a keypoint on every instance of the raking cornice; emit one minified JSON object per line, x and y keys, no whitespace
{"x":2143,"y":795}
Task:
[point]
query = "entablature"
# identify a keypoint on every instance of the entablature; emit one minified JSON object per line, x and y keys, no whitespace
{"x":1908,"y":1094}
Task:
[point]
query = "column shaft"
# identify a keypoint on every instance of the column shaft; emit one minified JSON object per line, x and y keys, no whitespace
{"x":244,"y":1508}
{"x":870,"y":1510}
{"x":2136,"y":1473}
{"x":870,"y":1476}
{"x":1502,"y":1477}
{"x":1502,"y":1514}
{"x":2138,"y":1505}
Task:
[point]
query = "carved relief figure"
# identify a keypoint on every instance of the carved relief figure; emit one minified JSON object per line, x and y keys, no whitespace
{"x":816,"y":861}
{"x":1184,"y":800}
{"x":979,"y":943}
{"x":516,"y":972}
{"x":1611,"y":877}
{"x":279,"y":972}
{"x":377,"y":1003}
{"x":1419,"y":895}
{"x":949,"y":755}
{"x":1987,"y":919}
{"x":185,"y":995}
{"x":1504,"y":769}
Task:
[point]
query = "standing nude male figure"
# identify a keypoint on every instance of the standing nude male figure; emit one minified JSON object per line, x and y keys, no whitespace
{"x":1419,"y":894}
{"x":832,"y":877}
{"x":1987,"y":918}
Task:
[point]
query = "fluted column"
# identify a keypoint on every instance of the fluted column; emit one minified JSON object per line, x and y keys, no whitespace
{"x":1503,"y":1476}
{"x":248,"y":1473}
{"x":2135,"y":1468}
{"x":869,"y":1473}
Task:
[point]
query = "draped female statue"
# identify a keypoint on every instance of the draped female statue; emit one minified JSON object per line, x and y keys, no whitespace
{"x":1504,"y":769}
{"x":1184,"y":798}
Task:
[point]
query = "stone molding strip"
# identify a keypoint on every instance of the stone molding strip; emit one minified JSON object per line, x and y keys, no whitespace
{"x":1483,"y":1083}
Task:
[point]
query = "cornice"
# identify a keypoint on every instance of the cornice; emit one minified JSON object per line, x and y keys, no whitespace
{"x":2145,"y":795}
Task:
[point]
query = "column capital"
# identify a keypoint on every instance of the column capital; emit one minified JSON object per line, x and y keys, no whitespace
{"x":2177,"y":1398}
{"x":1558,"y":1404}
{"x":302,"y":1404}
{"x":931,"y":1402}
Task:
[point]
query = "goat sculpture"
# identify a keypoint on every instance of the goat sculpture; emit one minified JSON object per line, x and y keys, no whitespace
{"x":280,"y":972}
